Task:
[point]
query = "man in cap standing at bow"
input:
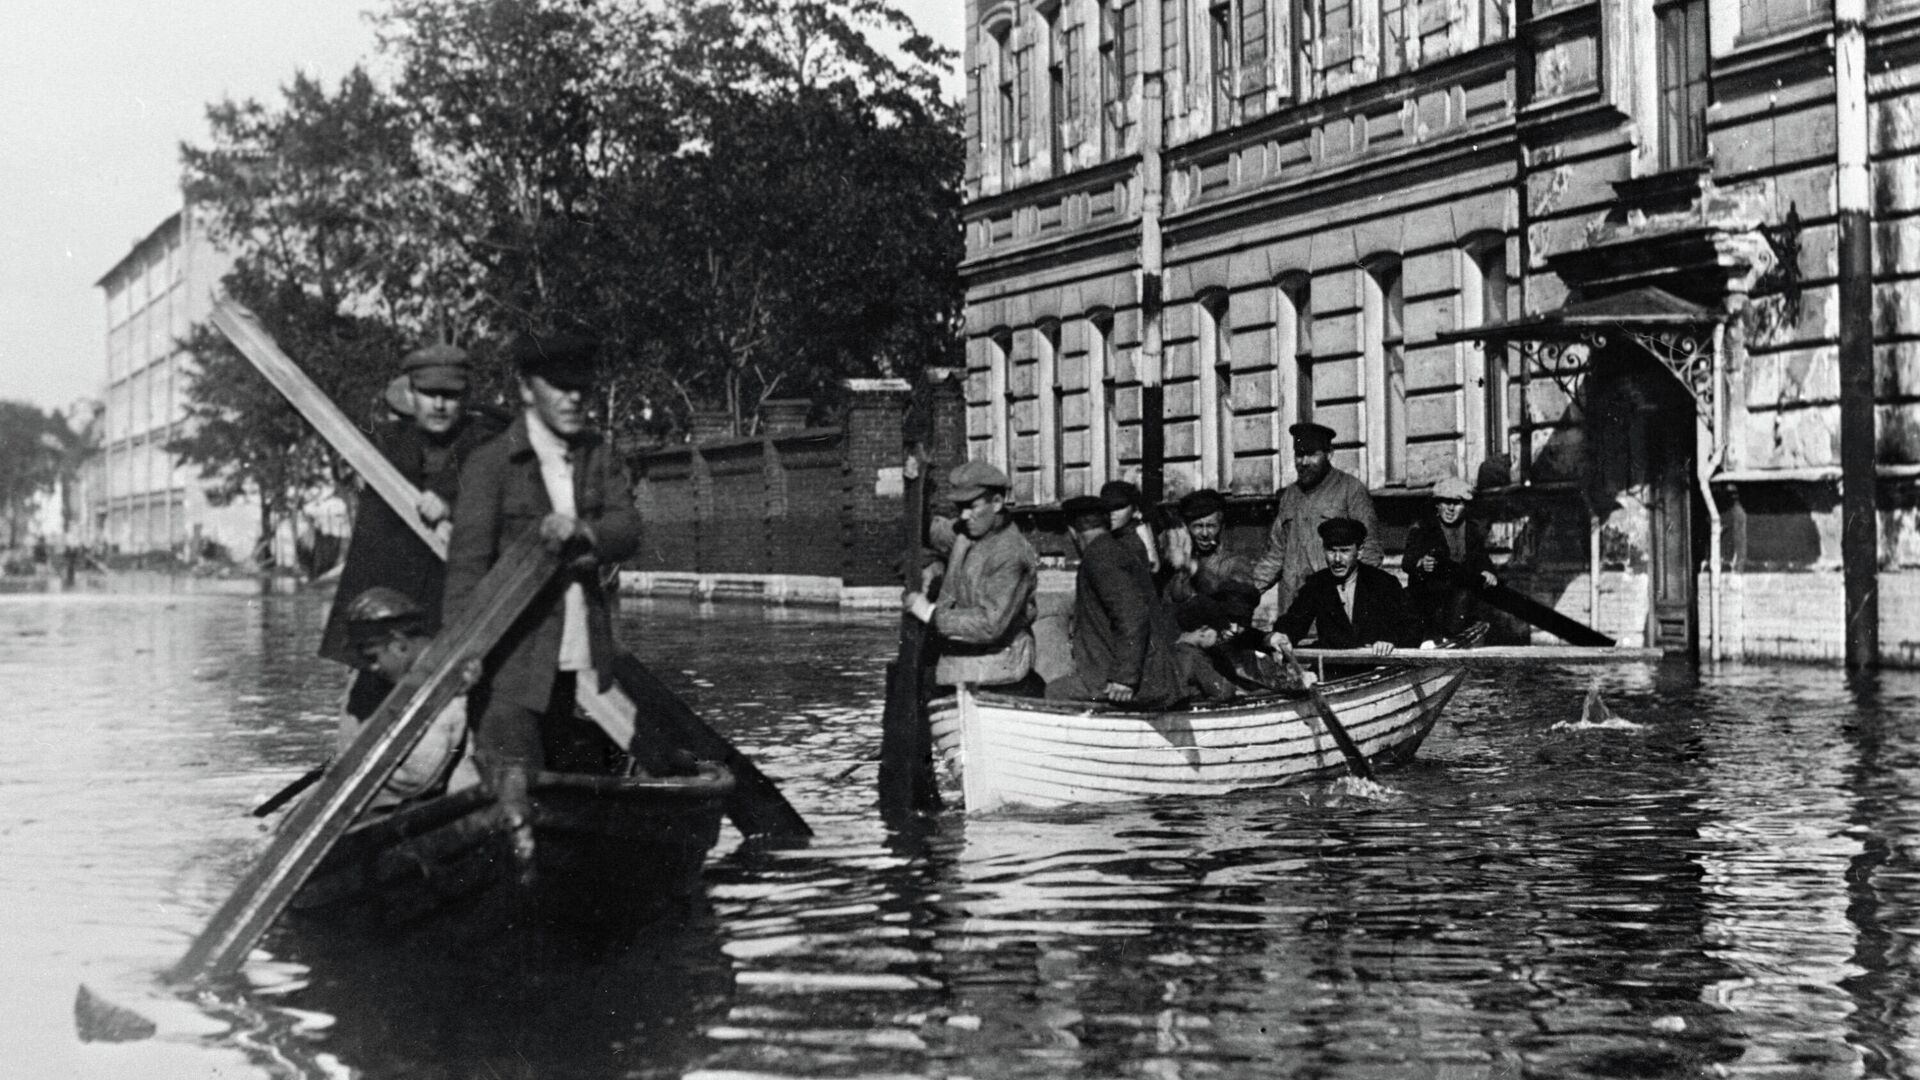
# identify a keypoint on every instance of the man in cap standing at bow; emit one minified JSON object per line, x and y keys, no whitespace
{"x":1318,"y":493}
{"x":553,"y":476}
{"x":428,"y":445}
{"x":985,"y":611}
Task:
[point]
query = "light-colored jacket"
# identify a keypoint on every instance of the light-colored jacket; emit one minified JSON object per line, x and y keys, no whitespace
{"x":440,"y":756}
{"x":986,"y":610}
{"x":1294,"y":551}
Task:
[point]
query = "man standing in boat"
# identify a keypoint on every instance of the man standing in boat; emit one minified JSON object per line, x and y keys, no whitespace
{"x":1319,"y":493}
{"x":552,"y":475}
{"x":1122,"y":636}
{"x":427,"y":444}
{"x":986,"y":608}
{"x":1348,"y":605}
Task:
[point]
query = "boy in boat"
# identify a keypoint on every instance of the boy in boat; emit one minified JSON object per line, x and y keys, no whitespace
{"x":388,"y":632}
{"x":1318,"y":493}
{"x":1446,"y":558}
{"x":1122,"y":636}
{"x":985,"y":611}
{"x":428,"y":445}
{"x":1349,"y":605}
{"x":1203,"y":623}
{"x":550,"y":474}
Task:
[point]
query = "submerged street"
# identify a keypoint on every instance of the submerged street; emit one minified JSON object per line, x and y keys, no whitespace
{"x":1721,"y":882}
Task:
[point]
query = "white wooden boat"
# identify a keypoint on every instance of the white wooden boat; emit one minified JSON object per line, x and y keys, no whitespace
{"x":999,"y":750}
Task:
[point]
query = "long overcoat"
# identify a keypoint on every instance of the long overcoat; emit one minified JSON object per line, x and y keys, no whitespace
{"x":1122,"y":633}
{"x":502,"y":498}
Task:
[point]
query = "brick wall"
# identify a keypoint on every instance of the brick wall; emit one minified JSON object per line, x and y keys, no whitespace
{"x":872,"y":526}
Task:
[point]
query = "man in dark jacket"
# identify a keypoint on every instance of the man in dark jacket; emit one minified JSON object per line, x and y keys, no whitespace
{"x":427,"y":445}
{"x":1349,"y":605}
{"x":1446,"y":559}
{"x":550,"y":475}
{"x":1122,"y":635}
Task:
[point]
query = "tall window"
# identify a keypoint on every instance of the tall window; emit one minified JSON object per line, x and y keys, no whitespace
{"x":1387,"y":369}
{"x":1216,"y":373}
{"x":1000,"y":398}
{"x":1106,"y":458}
{"x":1006,"y":98}
{"x":1294,"y":325}
{"x":1053,"y":421}
{"x":1483,"y":302}
{"x":1059,"y":84}
{"x":1682,"y":44}
{"x":1223,"y":60}
{"x":1113,"y":75}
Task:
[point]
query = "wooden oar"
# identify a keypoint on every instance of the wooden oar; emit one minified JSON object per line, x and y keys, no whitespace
{"x":1520,"y":606}
{"x":756,"y":806}
{"x":1490,"y":656}
{"x":388,"y":736}
{"x":1357,"y":762}
{"x":285,"y":795}
{"x":906,"y":743}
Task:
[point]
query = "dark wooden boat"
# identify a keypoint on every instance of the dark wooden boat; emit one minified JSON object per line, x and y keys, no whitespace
{"x":608,"y":851}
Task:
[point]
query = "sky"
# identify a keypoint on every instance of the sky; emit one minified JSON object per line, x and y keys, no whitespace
{"x":96,"y":97}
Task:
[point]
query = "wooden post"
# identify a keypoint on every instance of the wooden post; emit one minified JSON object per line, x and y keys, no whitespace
{"x":1859,"y":525}
{"x":382,"y":744}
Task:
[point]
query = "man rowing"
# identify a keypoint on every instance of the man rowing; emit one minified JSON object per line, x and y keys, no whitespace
{"x":428,"y":444}
{"x":1446,"y":560}
{"x":1319,"y":493}
{"x":1348,"y":604}
{"x":551,"y":475}
{"x":985,"y":609}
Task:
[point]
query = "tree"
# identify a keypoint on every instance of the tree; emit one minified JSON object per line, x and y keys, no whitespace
{"x":31,"y":445}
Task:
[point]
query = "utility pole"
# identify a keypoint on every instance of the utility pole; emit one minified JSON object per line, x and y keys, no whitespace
{"x":1859,"y":526}
{"x":1153,"y":441}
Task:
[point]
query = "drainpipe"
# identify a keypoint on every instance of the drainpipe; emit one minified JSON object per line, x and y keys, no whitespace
{"x":1859,"y":532}
{"x":1152,"y":259}
{"x":1707,"y":455}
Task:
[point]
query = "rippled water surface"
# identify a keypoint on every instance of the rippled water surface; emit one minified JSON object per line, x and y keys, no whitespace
{"x":1722,"y":885}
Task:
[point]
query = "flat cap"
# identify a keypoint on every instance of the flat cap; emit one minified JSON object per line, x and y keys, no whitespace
{"x":1206,"y":502}
{"x":400,"y":394}
{"x":1115,"y":494}
{"x":1453,"y":489}
{"x":1083,"y":504}
{"x":1200,"y":611}
{"x":1342,"y":532}
{"x":1310,"y":435}
{"x":972,"y":479}
{"x":561,"y":359}
{"x":437,"y":367}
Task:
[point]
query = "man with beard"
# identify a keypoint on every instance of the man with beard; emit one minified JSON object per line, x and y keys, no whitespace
{"x":1319,"y":493}
{"x":986,"y":608}
{"x":428,"y":445}
{"x":1122,"y":636}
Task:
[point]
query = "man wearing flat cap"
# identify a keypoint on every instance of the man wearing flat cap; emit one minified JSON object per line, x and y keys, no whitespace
{"x":1204,"y":512}
{"x":553,"y":476}
{"x":1318,"y":493}
{"x":1122,"y":634}
{"x":1348,"y":604}
{"x":1446,"y":561}
{"x":428,"y":444}
{"x":985,"y":608}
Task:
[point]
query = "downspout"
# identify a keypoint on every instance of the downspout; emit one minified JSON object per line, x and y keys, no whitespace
{"x":1152,"y":257}
{"x":1707,"y":455}
{"x":1859,"y":532}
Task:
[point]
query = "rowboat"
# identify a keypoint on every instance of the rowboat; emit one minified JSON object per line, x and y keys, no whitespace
{"x":998,"y":750}
{"x":608,"y":851}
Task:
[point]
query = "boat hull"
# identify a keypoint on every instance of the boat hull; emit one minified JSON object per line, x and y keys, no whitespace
{"x":607,"y":852}
{"x":999,"y":750}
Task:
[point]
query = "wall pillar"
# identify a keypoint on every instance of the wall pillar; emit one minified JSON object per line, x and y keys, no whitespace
{"x":874,"y":526}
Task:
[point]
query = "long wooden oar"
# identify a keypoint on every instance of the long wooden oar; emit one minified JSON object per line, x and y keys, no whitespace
{"x":387,"y":738}
{"x":285,"y":795}
{"x":1356,"y":761}
{"x":1490,"y":656}
{"x":1520,"y":606}
{"x":756,"y":806}
{"x":906,"y":743}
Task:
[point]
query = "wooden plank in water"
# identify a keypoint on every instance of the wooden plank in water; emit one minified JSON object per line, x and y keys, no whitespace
{"x":388,"y":736}
{"x":1491,"y":656}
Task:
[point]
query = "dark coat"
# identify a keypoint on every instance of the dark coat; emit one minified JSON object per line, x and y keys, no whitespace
{"x":1380,"y":611}
{"x":1122,"y":633}
{"x":1437,"y":600}
{"x":1199,"y":679}
{"x":503,"y":498}
{"x":385,"y":551}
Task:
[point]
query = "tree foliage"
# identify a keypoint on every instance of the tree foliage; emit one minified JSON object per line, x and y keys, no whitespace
{"x":742,"y":200}
{"x":33,"y":449}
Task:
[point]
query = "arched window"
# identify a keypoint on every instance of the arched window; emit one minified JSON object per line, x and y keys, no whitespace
{"x":1000,"y":399}
{"x":1112,"y":16}
{"x":1104,"y":423}
{"x":1006,"y":114}
{"x":1483,"y":302}
{"x":1216,"y":391}
{"x":1051,"y":399}
{"x":1383,"y":313}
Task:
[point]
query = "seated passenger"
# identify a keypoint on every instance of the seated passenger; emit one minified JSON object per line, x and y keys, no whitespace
{"x":1446,"y":560}
{"x":1244,"y":656}
{"x":1202,"y":622}
{"x":1348,"y":605}
{"x":388,"y":632}
{"x":1122,"y":635}
{"x":1210,"y":565}
{"x":985,"y":611}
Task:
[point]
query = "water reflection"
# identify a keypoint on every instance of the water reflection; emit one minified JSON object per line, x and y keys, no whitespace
{"x":1725,"y":885}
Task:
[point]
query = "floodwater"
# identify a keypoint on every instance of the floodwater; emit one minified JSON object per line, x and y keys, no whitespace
{"x":1723,"y":883}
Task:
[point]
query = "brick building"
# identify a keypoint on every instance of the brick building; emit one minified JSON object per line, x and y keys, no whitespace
{"x":145,"y":500}
{"x":1651,"y":262}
